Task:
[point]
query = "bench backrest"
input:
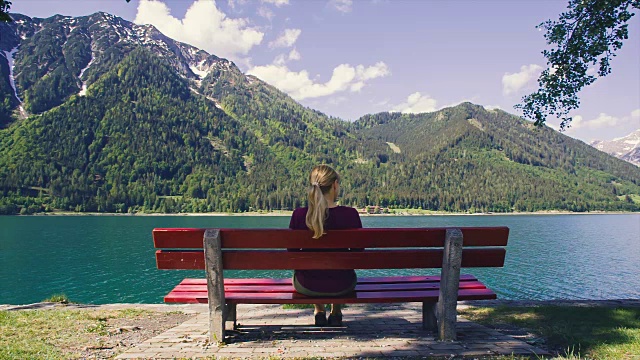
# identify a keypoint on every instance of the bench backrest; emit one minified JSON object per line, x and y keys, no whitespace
{"x":386,"y":248}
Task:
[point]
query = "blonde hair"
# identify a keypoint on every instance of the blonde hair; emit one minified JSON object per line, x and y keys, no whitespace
{"x":322,"y":178}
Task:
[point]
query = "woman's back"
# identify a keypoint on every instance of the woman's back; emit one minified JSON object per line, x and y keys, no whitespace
{"x":340,"y":218}
{"x":327,"y":281}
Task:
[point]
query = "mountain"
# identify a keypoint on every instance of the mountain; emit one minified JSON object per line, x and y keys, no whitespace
{"x":626,"y":148}
{"x":491,"y":159}
{"x":61,"y":56}
{"x":100,"y":114}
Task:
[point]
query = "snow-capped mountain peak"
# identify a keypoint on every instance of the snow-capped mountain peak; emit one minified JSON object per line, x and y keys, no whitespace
{"x":626,"y":148}
{"x":93,"y":39}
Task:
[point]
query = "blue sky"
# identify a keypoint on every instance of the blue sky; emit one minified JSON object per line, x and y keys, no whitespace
{"x":348,"y":58}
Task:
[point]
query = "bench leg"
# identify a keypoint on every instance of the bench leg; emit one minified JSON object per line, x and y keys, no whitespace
{"x":429,"y":319}
{"x":215,"y":284}
{"x":216,"y":324}
{"x":231,"y":315}
{"x":449,"y":285}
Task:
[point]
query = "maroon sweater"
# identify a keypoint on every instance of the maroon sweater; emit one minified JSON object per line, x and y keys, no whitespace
{"x":329,"y":281}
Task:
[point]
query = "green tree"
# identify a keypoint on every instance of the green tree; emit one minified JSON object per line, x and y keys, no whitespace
{"x":4,"y":11}
{"x":588,"y":34}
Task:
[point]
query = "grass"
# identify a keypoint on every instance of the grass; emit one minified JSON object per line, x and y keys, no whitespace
{"x":309,"y":306}
{"x":635,"y":198}
{"x":574,"y":332}
{"x":57,"y":298}
{"x":414,"y":211}
{"x":42,"y":334}
{"x":298,"y":306}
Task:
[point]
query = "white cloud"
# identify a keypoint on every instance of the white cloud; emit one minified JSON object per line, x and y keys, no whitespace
{"x":277,"y":3}
{"x":203,"y":26}
{"x":287,"y":39}
{"x":473,"y":100}
{"x":233,"y":3}
{"x":516,"y":81}
{"x":265,"y":13}
{"x":337,"y":100}
{"x":356,"y":87}
{"x":294,"y":55}
{"x":576,"y":122}
{"x":280,"y":60}
{"x":603,"y":121}
{"x":372,"y":72}
{"x":343,"y":6}
{"x":552,"y":125}
{"x":380,"y":103}
{"x":601,"y":127}
{"x":300,"y":86}
{"x":417,"y":103}
{"x":283,"y":58}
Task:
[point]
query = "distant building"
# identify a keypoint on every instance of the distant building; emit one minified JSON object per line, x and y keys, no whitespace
{"x":373,"y":209}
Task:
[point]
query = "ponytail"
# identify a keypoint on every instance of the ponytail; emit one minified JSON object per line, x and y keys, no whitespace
{"x":322,"y":178}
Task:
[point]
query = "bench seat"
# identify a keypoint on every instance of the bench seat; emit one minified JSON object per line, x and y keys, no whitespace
{"x":368,"y":290}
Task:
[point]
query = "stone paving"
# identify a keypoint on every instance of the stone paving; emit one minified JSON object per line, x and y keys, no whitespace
{"x":371,"y":330}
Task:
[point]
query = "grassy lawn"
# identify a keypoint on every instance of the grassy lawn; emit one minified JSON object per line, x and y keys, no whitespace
{"x":635,"y":198}
{"x":416,"y":211}
{"x":43,"y":333}
{"x":573,"y":332}
{"x":68,"y":334}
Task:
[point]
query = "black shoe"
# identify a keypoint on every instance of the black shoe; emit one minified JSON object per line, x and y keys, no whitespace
{"x":321,"y":319}
{"x":335,"y":320}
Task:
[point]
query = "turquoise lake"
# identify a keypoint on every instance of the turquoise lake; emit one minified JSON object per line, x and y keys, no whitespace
{"x":108,"y":259}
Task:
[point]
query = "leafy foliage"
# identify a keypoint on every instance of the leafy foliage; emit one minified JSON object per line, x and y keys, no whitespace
{"x":588,"y":34}
{"x":5,"y":5}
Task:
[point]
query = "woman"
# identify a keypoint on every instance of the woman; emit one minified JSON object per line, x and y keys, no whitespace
{"x":324,"y":214}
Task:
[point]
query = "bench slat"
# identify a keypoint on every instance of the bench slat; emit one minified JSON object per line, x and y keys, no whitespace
{"x":359,"y":287}
{"x":191,"y":238}
{"x":401,"y":279}
{"x":285,"y":260}
{"x":361,"y":280}
{"x":361,"y":297}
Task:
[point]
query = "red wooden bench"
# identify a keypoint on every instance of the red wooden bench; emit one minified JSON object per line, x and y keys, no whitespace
{"x":216,"y":250}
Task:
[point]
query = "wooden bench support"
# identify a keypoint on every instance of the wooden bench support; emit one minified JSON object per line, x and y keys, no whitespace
{"x":429,"y":318}
{"x":215,"y":284}
{"x":231,"y":315}
{"x":449,"y":283}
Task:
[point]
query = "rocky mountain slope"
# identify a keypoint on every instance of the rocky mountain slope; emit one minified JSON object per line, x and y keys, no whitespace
{"x":100,"y":114}
{"x":60,"y":56}
{"x":626,"y":148}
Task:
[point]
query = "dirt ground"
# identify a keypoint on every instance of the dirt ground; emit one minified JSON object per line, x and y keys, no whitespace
{"x":120,"y":334}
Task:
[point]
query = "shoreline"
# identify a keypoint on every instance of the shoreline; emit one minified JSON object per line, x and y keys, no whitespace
{"x":194,"y":308}
{"x":288,"y":213}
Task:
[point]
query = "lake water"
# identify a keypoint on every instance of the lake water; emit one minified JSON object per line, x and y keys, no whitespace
{"x":107,"y":259}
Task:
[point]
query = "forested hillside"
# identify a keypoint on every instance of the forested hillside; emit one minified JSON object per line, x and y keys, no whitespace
{"x":102,"y":115}
{"x":475,"y":159}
